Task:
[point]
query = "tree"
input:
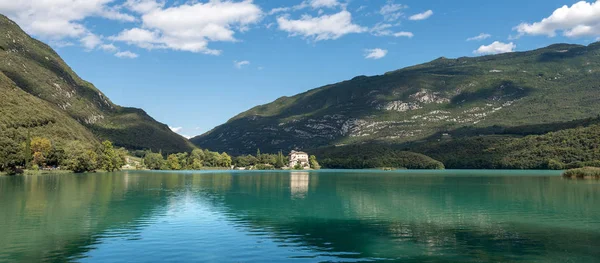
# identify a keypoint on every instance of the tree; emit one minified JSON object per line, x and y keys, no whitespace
{"x":10,"y":155}
{"x":211,"y":159}
{"x":197,"y":154}
{"x":122,"y":153}
{"x":196,"y":164}
{"x":79,"y":158}
{"x":196,"y":159}
{"x":153,"y":161}
{"x":280,"y":161}
{"x":225,"y":160}
{"x":110,"y":160}
{"x":27,"y":152}
{"x":41,"y":148}
{"x":313,"y":162}
{"x":173,"y":162}
{"x":184,"y":161}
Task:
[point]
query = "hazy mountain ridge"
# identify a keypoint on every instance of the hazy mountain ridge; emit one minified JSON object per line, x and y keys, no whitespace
{"x":36,"y":69}
{"x":553,"y":84}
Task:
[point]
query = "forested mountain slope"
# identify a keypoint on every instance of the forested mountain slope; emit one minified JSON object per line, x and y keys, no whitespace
{"x":40,"y":93}
{"x":553,"y":84}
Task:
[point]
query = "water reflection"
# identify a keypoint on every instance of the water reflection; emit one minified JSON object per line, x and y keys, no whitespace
{"x":307,"y":217}
{"x":299,"y":182}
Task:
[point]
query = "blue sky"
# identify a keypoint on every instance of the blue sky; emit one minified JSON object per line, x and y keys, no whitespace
{"x":195,"y":64}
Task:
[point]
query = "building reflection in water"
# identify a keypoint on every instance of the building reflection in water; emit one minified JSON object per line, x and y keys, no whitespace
{"x":299,"y":184}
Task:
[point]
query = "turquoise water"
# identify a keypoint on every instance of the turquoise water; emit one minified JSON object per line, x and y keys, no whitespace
{"x":333,"y":216}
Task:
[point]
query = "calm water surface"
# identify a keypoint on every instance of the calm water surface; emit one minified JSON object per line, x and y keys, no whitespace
{"x":334,"y":216}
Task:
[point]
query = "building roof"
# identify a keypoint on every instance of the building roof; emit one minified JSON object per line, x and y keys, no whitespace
{"x":295,"y":152}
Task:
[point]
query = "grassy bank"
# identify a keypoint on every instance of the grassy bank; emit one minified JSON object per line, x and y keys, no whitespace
{"x":583,"y":173}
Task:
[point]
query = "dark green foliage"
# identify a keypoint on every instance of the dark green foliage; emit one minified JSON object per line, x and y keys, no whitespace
{"x":79,"y":158}
{"x":263,"y":161}
{"x":565,"y":149}
{"x":374,"y":156}
{"x":280,"y":163}
{"x":173,"y":162}
{"x":314,"y":164}
{"x":10,"y":154}
{"x":196,"y":160}
{"x":153,"y":161}
{"x":264,"y":167}
{"x":111,"y":159}
{"x":27,"y":154}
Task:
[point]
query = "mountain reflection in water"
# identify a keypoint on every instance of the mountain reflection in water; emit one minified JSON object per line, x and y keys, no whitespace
{"x":299,"y":216}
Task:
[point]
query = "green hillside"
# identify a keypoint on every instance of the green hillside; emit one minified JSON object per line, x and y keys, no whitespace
{"x":558,"y":83}
{"x":45,"y":96}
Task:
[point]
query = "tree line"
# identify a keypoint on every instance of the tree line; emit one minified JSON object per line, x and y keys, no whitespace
{"x":195,"y":160}
{"x":266,"y":161}
{"x":37,"y":153}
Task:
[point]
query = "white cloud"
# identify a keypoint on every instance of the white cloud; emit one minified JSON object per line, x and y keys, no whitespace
{"x":323,"y":3}
{"x":109,"y":48}
{"x":581,"y":19}
{"x":496,"y":48}
{"x":126,"y":54}
{"x":404,"y":34}
{"x":90,"y":41}
{"x":176,"y":129}
{"x":324,"y":27}
{"x":480,"y":37}
{"x":240,"y":64}
{"x":314,"y":4}
{"x":114,"y":14}
{"x":375,"y":53}
{"x":143,"y":6}
{"x":421,"y":16}
{"x":190,"y":27}
{"x":60,"y":43}
{"x":383,"y":29}
{"x":59,"y":19}
{"x":392,"y":11}
{"x":279,"y":10}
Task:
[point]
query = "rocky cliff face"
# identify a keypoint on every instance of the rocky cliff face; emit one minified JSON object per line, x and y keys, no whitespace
{"x":557,"y":83}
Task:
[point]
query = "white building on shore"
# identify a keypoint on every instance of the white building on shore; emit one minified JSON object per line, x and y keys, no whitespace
{"x":299,"y":158}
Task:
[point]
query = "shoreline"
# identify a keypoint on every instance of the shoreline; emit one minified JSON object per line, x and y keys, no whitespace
{"x":398,"y":171}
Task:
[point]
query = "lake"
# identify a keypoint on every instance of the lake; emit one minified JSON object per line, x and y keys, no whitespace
{"x":331,"y":216}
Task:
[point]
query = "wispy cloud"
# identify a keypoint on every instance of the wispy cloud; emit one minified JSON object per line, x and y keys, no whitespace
{"x":376,"y":53}
{"x":240,"y":64}
{"x":480,"y":37}
{"x":126,"y":54}
{"x":421,"y":16}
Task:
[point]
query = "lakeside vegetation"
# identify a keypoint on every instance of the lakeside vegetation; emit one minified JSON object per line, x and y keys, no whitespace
{"x":564,"y":149}
{"x":583,"y":173}
{"x":40,"y":155}
{"x":375,"y":156}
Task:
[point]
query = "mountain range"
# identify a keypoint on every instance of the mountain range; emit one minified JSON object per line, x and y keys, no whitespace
{"x":526,"y":110}
{"x":41,"y":94}
{"x":422,"y":103}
